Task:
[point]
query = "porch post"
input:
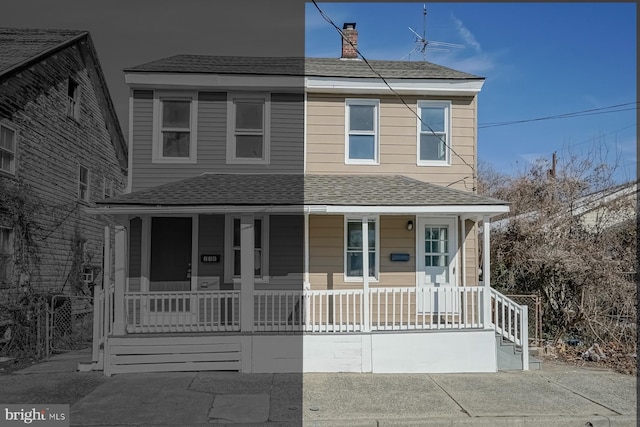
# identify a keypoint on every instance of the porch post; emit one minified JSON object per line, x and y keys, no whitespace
{"x":486,"y":272}
{"x":306,"y":250}
{"x":366,"y":327}
{"x":120,"y":279}
{"x":247,"y":272}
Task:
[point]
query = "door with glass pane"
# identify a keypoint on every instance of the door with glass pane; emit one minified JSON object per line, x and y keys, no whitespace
{"x":436,"y":264}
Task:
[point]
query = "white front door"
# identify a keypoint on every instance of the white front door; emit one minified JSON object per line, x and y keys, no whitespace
{"x":436,"y":264}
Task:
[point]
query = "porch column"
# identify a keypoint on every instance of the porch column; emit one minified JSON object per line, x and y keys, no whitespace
{"x":247,"y":272}
{"x":120,"y":280}
{"x":306,"y":251}
{"x":365,"y":273}
{"x":486,"y":272}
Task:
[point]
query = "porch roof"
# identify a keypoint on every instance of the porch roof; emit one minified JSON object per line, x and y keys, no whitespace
{"x":312,"y":192}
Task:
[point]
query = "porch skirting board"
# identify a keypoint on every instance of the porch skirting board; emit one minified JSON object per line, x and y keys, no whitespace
{"x":402,"y":352}
{"x":388,"y":352}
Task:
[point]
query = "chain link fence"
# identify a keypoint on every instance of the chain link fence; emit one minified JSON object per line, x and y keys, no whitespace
{"x":534,"y":304}
{"x":71,"y":322}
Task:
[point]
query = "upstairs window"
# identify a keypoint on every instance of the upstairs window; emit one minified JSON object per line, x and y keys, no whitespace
{"x":7,"y":149}
{"x":73,"y":98}
{"x":248,"y":128}
{"x":362,"y":139}
{"x":434,"y":134}
{"x":174,"y":128}
{"x":83,"y":184}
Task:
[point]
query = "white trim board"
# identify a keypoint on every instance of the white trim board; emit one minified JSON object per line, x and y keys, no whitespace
{"x":467,"y":210}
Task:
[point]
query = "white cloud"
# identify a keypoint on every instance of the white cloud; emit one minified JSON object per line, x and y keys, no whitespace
{"x":466,"y":35}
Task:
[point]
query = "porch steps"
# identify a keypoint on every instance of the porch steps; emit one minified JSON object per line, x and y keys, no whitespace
{"x":510,"y":356}
{"x":173,"y":354}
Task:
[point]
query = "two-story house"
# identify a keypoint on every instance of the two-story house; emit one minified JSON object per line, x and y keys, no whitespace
{"x":291,"y":215}
{"x":61,"y":149}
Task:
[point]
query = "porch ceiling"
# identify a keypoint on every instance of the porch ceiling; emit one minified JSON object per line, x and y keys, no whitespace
{"x":313,"y":193}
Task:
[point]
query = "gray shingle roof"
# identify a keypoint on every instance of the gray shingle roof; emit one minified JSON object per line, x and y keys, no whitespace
{"x":292,"y":66}
{"x":286,"y":189}
{"x":21,"y":45}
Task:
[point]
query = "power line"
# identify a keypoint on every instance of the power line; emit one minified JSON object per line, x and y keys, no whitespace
{"x":604,"y":134}
{"x":330,"y":21}
{"x":591,"y":112}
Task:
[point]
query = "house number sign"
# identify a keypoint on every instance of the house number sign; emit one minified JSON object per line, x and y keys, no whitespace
{"x":210,"y":258}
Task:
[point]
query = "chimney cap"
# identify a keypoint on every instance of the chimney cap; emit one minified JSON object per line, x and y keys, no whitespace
{"x":349,"y":26}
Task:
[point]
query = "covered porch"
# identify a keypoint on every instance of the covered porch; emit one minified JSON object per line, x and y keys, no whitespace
{"x":186,"y":265}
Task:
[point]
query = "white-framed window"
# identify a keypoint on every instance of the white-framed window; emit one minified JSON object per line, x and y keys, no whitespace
{"x":233,"y":250}
{"x":434,"y":133}
{"x":107,"y":188}
{"x":248,"y":128}
{"x":175,"y":127}
{"x":83,"y":183}
{"x":73,"y":98}
{"x":353,"y":255}
{"x":8,"y":148}
{"x":362,"y":139}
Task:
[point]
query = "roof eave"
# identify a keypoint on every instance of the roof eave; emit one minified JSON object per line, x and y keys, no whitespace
{"x":16,"y":68}
{"x":464,"y":210}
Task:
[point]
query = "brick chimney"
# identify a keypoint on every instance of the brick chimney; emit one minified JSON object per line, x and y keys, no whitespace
{"x":350,"y":34}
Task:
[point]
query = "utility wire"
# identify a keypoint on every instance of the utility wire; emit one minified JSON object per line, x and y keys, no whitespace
{"x":415,"y":113}
{"x":604,"y":134}
{"x":590,"y":112}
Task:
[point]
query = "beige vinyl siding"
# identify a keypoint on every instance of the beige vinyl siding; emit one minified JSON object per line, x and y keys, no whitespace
{"x":471,"y":253}
{"x":326,"y":252}
{"x":398,"y":139}
{"x":286,"y":147}
{"x":395,"y":238}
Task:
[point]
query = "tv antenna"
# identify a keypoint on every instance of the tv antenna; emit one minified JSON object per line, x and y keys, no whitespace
{"x":423,"y":45}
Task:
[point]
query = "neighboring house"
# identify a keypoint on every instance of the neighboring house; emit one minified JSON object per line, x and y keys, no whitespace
{"x":61,"y":150}
{"x":597,"y":211}
{"x":253,"y":181}
{"x":608,"y":208}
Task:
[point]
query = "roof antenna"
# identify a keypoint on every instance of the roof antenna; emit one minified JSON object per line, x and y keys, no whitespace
{"x":423,"y":45}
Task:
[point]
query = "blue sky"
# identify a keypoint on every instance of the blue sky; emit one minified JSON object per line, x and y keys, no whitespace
{"x":539,"y":60}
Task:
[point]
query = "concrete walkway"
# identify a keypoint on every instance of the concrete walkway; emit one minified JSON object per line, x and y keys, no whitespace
{"x":558,"y":395}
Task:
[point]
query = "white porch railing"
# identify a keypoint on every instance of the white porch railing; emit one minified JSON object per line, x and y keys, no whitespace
{"x":102,"y":318}
{"x":334,"y":310}
{"x":327,"y":311}
{"x":448,"y":307}
{"x":510,"y":319}
{"x":198,"y":311}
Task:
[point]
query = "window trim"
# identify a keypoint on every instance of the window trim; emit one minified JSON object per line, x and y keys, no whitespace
{"x":104,"y":188}
{"x":6,"y":124}
{"x":231,"y":128}
{"x":9,"y":254}
{"x":73,"y":103}
{"x":88,"y":184}
{"x":446,"y":105}
{"x":376,"y":131}
{"x":156,"y":151}
{"x":371,"y":218}
{"x":229,"y":277}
